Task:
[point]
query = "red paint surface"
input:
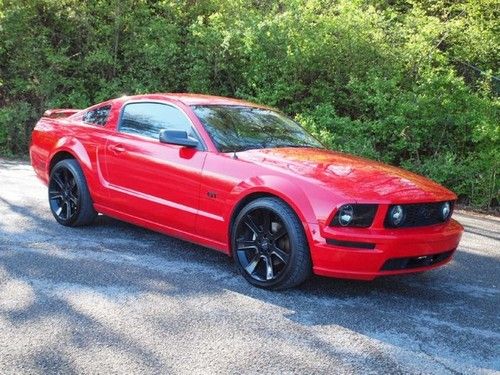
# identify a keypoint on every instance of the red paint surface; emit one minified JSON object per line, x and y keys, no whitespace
{"x":164,"y":187}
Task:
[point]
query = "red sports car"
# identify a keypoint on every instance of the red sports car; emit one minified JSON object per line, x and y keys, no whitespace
{"x":246,"y":180}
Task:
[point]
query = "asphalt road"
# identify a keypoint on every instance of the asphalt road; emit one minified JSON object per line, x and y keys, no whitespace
{"x":114,"y":298}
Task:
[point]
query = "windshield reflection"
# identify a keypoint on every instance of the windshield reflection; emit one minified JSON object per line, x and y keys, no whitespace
{"x":239,"y":128}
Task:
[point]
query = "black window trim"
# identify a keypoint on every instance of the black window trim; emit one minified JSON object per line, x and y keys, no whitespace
{"x":202,"y":146}
{"x":96,"y":109}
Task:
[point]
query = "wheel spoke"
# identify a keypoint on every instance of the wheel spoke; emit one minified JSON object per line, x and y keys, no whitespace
{"x":280,"y":233}
{"x":54,"y":194}
{"x":67,"y":177}
{"x":246,"y":244}
{"x":280,"y":254}
{"x":63,"y":177}
{"x":68,"y":210}
{"x":58,"y":181}
{"x":269,"y":268}
{"x":251,"y":224}
{"x":253,"y":263}
{"x":73,"y":199}
{"x":266,"y":226}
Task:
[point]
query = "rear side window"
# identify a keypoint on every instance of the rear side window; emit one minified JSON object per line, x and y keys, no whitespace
{"x":148,"y":119}
{"x":98,"y":116}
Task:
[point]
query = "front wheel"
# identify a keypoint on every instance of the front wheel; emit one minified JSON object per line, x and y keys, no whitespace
{"x":69,"y":196}
{"x":269,"y":245}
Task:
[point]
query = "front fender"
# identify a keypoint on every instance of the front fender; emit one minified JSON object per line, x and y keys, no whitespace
{"x":281,"y":187}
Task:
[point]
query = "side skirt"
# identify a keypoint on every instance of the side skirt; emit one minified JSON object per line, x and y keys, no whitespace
{"x":219,"y":246}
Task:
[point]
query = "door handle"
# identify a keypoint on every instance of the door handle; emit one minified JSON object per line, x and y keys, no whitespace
{"x":116,"y":148}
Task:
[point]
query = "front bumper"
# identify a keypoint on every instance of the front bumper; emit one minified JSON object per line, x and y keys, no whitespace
{"x":367,"y":253}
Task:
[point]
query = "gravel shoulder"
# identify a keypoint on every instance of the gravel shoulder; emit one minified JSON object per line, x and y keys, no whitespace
{"x":115,"y":298}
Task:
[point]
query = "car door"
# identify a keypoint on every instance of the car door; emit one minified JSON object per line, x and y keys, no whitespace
{"x":150,"y":180}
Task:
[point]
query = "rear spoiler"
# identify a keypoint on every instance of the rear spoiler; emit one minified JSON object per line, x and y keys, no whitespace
{"x":60,"y":113}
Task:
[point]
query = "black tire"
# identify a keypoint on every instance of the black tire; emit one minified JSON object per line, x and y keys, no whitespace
{"x":69,"y":198}
{"x":265,"y":256}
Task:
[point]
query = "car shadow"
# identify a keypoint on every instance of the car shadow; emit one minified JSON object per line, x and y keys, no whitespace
{"x":113,"y":264}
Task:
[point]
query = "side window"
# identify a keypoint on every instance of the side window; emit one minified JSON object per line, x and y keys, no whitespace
{"x":98,"y":116}
{"x":147,"y":119}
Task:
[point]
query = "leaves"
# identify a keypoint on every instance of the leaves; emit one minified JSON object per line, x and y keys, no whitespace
{"x":409,"y":82}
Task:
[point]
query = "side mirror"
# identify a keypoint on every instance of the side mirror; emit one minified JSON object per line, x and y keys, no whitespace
{"x":177,"y":137}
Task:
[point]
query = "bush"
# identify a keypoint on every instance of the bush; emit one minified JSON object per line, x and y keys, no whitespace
{"x":412,"y":83}
{"x":15,"y":124}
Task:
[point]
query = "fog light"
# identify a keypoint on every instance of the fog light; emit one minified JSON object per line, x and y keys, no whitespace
{"x":346,"y":214}
{"x":445,"y":211}
{"x":397,"y":215}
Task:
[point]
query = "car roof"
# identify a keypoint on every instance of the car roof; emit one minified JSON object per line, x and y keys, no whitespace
{"x":196,"y":99}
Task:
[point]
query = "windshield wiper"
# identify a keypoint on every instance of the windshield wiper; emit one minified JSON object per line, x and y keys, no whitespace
{"x":295,"y":145}
{"x":242,"y":149}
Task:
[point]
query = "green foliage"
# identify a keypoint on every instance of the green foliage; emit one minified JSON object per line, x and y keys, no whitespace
{"x":15,"y":127}
{"x":409,"y":82}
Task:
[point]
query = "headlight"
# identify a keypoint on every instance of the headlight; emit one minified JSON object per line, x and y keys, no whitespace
{"x":355,"y":215}
{"x":397,"y":215}
{"x":445,"y":211}
{"x":346,"y":214}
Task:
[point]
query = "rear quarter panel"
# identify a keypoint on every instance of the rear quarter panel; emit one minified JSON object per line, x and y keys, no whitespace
{"x":84,"y":142}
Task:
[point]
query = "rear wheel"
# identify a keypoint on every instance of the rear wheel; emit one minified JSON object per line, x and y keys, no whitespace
{"x":269,"y":245}
{"x":69,"y":196}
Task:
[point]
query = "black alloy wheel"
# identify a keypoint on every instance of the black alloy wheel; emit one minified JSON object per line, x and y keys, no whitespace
{"x":63,"y":194}
{"x":263,"y":245}
{"x":69,"y":197}
{"x":269,"y":245}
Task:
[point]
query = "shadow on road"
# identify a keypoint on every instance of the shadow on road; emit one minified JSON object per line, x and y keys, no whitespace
{"x":450,"y":311}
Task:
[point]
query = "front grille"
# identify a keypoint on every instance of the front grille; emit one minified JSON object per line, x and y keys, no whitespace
{"x":419,"y":215}
{"x":395,"y":264}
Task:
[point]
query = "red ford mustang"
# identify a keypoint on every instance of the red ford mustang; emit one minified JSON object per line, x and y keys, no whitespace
{"x":245,"y":180}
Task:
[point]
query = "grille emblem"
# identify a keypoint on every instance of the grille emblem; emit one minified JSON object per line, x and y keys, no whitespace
{"x":425,"y":212}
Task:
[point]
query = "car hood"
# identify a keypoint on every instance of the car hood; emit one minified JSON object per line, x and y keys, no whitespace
{"x":357,"y":178}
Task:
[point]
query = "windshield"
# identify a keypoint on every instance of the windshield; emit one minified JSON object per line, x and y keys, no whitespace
{"x":234,"y":128}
